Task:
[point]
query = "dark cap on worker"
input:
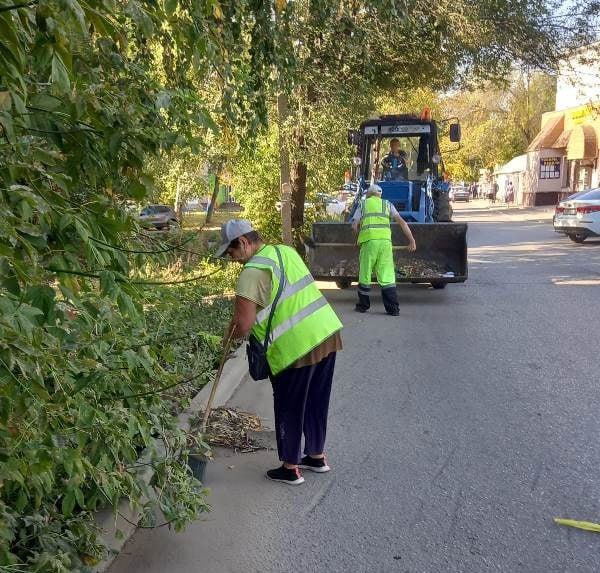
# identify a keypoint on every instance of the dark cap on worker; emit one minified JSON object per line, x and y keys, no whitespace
{"x":231,"y":230}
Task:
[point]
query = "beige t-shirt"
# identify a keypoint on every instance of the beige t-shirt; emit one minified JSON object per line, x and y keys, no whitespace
{"x":255,"y":285}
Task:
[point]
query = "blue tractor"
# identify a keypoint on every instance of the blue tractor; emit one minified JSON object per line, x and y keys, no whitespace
{"x":401,"y":154}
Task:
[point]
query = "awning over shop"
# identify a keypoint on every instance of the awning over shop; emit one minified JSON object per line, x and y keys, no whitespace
{"x":583,"y":143}
{"x":563,"y":140}
{"x":549,"y":134}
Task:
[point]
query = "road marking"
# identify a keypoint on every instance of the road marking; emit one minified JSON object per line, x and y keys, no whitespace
{"x":576,"y":282}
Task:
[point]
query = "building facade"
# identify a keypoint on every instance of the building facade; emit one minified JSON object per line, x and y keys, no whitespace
{"x":564,"y":156}
{"x":512,"y":172}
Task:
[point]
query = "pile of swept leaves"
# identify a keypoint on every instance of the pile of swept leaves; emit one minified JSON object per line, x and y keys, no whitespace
{"x":231,"y":428}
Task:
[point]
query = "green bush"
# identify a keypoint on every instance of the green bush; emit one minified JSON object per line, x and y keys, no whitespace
{"x":80,"y":399}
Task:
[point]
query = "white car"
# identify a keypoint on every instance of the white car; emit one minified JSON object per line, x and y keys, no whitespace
{"x":578,"y":216}
{"x":335,"y":207}
{"x":460,"y":193}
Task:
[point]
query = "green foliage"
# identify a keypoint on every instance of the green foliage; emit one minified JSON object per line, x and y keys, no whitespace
{"x":498,"y":123}
{"x":255,"y":176}
{"x":177,"y":169}
{"x":88,"y":92}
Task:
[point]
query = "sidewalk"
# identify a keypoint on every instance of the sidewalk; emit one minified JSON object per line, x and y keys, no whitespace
{"x":237,"y":493}
{"x":481,"y":210}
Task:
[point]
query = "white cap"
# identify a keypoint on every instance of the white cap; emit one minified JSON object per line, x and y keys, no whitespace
{"x":373,"y":188}
{"x":231,"y":230}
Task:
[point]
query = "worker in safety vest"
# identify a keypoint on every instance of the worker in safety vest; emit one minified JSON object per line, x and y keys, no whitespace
{"x":304,"y":338}
{"x":371,"y":221}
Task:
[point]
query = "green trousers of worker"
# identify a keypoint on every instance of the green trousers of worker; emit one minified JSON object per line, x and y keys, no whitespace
{"x":376,"y":256}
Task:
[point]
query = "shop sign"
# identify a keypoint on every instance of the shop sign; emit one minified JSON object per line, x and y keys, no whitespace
{"x":580,"y":114}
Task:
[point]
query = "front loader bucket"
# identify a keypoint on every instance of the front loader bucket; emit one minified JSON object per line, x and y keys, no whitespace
{"x":441,"y":255}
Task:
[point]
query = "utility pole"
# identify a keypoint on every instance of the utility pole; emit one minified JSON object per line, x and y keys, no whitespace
{"x":284,"y":169}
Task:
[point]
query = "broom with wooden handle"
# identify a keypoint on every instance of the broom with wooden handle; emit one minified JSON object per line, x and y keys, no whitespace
{"x":213,"y":390}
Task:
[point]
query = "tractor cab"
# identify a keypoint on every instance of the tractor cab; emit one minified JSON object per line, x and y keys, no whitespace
{"x":400,"y":153}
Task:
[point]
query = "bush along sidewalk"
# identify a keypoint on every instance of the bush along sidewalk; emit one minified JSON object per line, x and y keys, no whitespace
{"x":93,"y":370}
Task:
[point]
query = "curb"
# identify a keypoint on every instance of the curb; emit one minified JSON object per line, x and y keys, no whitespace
{"x":234,"y":373}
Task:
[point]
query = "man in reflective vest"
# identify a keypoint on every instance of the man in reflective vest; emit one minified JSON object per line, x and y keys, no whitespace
{"x":304,"y":339}
{"x":372,"y":223}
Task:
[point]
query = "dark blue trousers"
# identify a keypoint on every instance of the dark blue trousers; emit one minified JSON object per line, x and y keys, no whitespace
{"x":301,"y":402}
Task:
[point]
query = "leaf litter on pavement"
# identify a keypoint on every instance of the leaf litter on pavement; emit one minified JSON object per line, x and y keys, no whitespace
{"x":231,"y":428}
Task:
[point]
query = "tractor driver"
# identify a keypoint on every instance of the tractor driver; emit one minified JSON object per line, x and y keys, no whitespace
{"x":394,"y":163}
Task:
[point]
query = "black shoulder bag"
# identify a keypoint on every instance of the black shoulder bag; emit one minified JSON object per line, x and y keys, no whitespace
{"x":256,"y":350}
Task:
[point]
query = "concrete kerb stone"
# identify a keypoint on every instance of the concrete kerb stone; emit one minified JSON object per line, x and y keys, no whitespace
{"x":234,"y":373}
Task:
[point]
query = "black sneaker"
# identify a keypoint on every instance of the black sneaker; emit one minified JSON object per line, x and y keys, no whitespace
{"x":314,"y":465}
{"x":394,"y":313}
{"x":359,"y":308}
{"x":285,"y":475}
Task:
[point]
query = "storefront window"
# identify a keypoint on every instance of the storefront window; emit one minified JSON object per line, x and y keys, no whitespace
{"x":550,"y":168}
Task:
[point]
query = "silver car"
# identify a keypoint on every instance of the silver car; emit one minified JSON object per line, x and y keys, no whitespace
{"x":159,"y":216}
{"x":460,"y":193}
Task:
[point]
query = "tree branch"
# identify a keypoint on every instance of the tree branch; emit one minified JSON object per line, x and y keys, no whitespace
{"x":18,"y":6}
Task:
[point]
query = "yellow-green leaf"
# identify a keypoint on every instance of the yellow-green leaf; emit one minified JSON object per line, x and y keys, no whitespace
{"x":587,"y":525}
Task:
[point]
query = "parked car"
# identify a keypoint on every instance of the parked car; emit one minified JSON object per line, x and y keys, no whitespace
{"x":323,"y":202}
{"x":578,"y":216}
{"x":562,"y":201}
{"x":230,"y":206}
{"x":159,"y":217}
{"x":460,"y":193}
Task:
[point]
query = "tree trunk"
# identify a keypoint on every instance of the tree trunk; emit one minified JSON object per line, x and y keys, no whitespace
{"x":178,"y":202}
{"x":284,"y":169}
{"x":298,"y":185}
{"x":213,"y":200}
{"x":299,"y":169}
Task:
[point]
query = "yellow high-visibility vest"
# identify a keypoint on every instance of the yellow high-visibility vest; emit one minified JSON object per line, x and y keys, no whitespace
{"x":303,"y":318}
{"x":375,"y":220}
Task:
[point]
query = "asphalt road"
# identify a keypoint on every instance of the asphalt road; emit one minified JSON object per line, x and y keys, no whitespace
{"x":457,"y":432}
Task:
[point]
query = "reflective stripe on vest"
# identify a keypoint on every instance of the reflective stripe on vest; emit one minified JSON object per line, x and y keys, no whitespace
{"x":376,"y":226}
{"x":375,"y":220}
{"x":268,"y":262}
{"x":298,"y":317}
{"x":302,"y":319}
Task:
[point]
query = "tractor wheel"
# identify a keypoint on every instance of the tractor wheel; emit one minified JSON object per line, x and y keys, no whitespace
{"x":343,"y":283}
{"x":439,"y":286}
{"x":442,"y":210}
